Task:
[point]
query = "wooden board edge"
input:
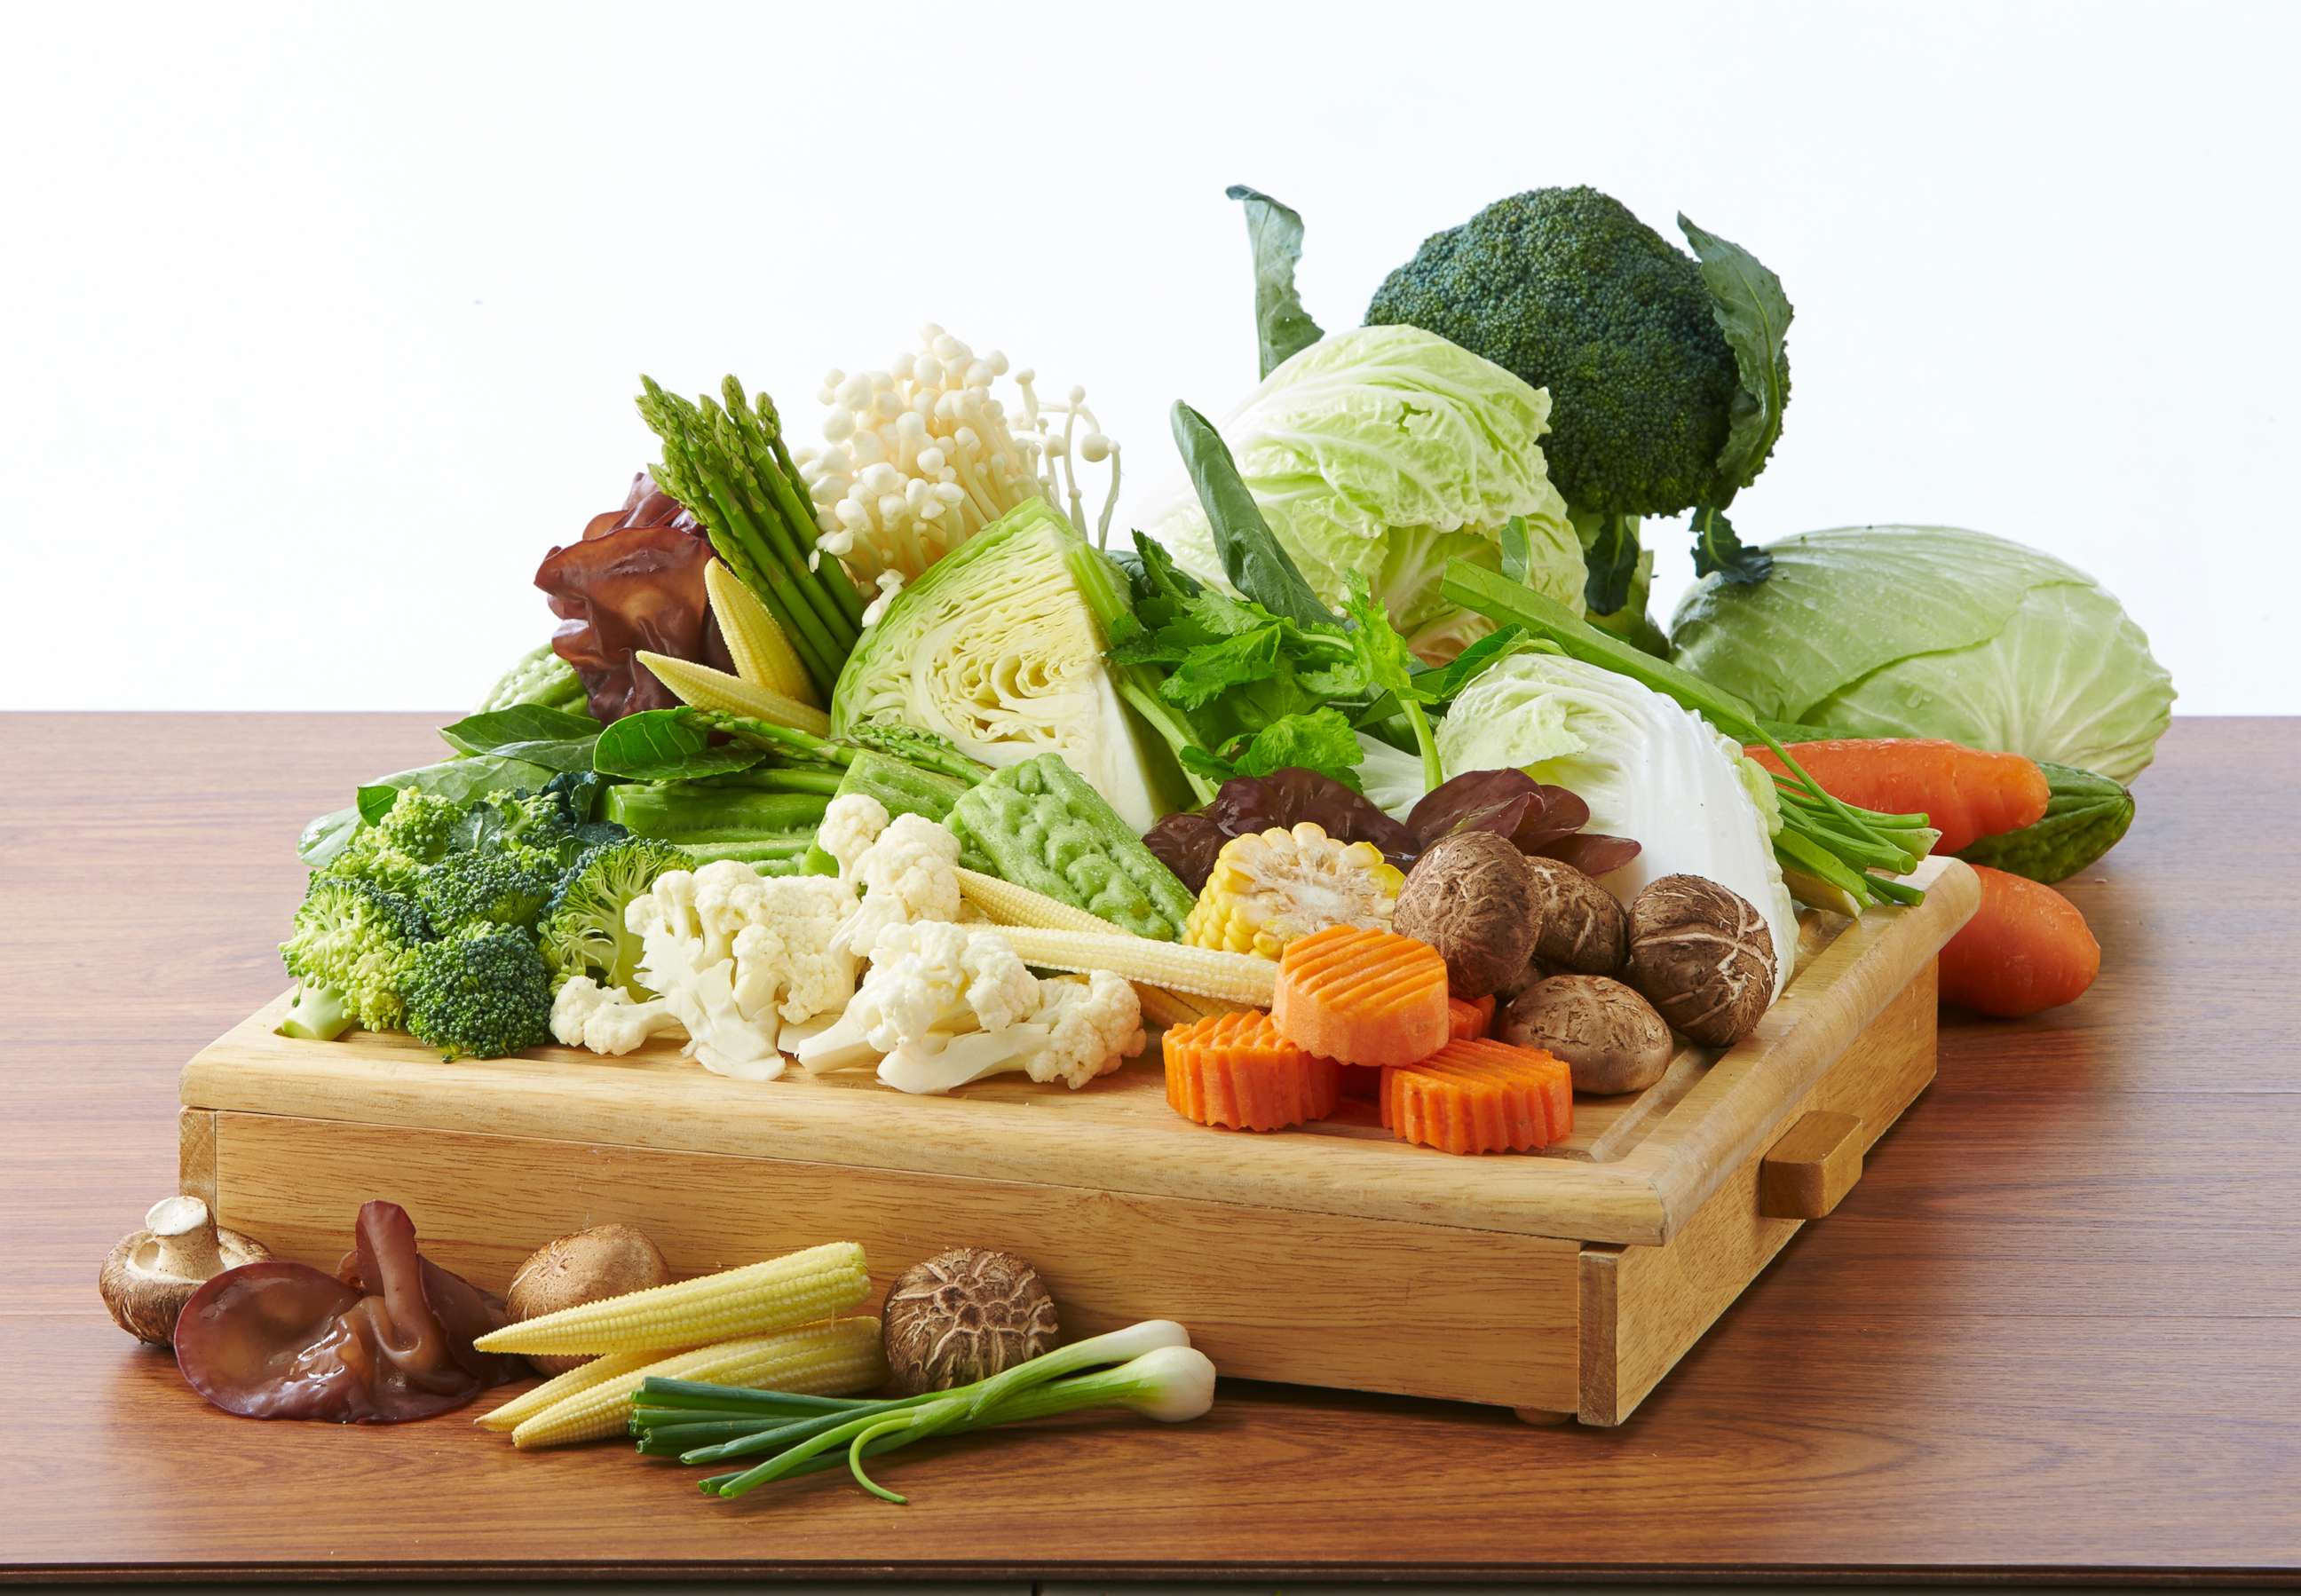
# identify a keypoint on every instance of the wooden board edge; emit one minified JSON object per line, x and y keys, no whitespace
{"x":196,"y":1155}
{"x":1599,"y":1282}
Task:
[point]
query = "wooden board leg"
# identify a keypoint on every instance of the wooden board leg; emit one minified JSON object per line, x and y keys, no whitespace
{"x":1542,"y":1416}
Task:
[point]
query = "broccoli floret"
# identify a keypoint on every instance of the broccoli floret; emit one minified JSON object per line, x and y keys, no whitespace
{"x":550,"y":828}
{"x":501,"y":883}
{"x":416,"y":829}
{"x":1652,"y":411}
{"x":583,"y":932}
{"x":479,"y":994}
{"x":352,"y":946}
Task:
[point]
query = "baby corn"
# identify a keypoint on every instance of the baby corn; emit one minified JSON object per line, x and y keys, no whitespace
{"x":1235,"y":977}
{"x":837,"y":1358}
{"x":559,"y":1387}
{"x":762,"y":653}
{"x":1006,"y":904}
{"x":703,"y":687}
{"x":752,"y":1301}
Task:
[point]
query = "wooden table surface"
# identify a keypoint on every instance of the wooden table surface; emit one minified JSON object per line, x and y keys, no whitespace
{"x":2056,"y":1327}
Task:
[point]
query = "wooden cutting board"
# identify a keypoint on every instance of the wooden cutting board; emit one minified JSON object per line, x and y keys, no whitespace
{"x":1563,"y":1282}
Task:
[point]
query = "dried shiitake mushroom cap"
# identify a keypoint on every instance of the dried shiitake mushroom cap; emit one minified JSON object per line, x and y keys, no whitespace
{"x":153,"y":1272}
{"x":1701,"y":954}
{"x":964,"y":1315}
{"x":1611,"y":1038}
{"x":608,"y":1260}
{"x":1578,"y":924}
{"x":1470,"y":898}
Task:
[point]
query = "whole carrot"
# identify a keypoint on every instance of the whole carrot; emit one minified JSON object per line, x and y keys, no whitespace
{"x":2027,"y":949}
{"x":1965,"y":793}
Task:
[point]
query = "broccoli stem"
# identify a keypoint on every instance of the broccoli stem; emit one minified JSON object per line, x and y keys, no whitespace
{"x":318,"y":1014}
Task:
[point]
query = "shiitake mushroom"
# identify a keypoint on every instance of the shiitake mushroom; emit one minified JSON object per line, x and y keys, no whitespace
{"x":964,"y":1315}
{"x":1611,"y":1038}
{"x":1471,"y":898}
{"x":606,"y":1260}
{"x":1702,"y":955}
{"x":1577,"y":924}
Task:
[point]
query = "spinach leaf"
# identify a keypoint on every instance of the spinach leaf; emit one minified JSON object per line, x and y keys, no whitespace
{"x":1717,"y":547}
{"x":531,"y":732}
{"x":1251,"y":556}
{"x":1282,"y":327}
{"x":1755,"y":314}
{"x":461,"y":780}
{"x":667,"y":745}
{"x":1612,"y":558}
{"x":327,"y":835}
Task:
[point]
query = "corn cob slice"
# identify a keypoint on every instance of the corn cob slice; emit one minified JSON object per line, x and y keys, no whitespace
{"x":1235,"y":977}
{"x":1268,"y":888}
{"x":763,"y":656}
{"x":1163,"y":1007}
{"x":752,"y":1301}
{"x":707,"y":688}
{"x":507,"y":1416}
{"x":836,"y":1358}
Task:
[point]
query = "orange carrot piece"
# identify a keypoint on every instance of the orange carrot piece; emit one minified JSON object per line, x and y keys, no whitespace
{"x":1466,"y":1019}
{"x":1965,"y":793}
{"x":1480,"y":1095}
{"x":1235,"y":1070}
{"x":1362,"y":996}
{"x":2025,"y":949}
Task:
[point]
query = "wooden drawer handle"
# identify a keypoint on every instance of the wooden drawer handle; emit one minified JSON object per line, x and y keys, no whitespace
{"x":1815,"y":1164}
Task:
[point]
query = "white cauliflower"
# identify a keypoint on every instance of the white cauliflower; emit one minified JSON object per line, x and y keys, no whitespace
{"x":736,"y":955}
{"x":910,"y":872}
{"x":926,"y":980}
{"x":851,"y":825}
{"x":1081,"y":1030}
{"x":606,"y":1019}
{"x":944,"y":1005}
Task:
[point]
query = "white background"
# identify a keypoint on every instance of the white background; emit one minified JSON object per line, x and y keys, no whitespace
{"x":319,"y":324}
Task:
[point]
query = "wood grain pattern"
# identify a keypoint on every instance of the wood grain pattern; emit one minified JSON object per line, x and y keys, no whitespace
{"x":1808,"y":1173}
{"x":1502,"y":1307}
{"x":2053,"y":1330}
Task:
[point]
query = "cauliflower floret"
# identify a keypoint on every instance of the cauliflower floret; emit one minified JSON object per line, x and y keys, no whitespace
{"x":606,"y":1019}
{"x":735,"y":955}
{"x":1081,"y":1030}
{"x":851,"y":825}
{"x":910,"y":874}
{"x":926,"y":980}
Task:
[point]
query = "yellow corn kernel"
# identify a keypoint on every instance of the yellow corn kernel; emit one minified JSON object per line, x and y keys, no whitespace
{"x":559,"y":1387}
{"x":707,"y":688}
{"x":1003,"y":902}
{"x":1163,"y":1007}
{"x":763,"y":655}
{"x":837,"y":1358}
{"x":751,"y":1300}
{"x":1235,"y":977}
{"x":1269,"y":888}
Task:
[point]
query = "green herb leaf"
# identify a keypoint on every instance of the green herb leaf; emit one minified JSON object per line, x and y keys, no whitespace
{"x":668,"y":745}
{"x":1440,"y":686}
{"x":1518,"y":549}
{"x":1717,"y":547}
{"x":1282,"y":326}
{"x":1251,"y":556}
{"x":1755,"y":314}
{"x":461,"y":779}
{"x":1612,"y":560}
{"x":1321,"y":740}
{"x":1390,"y":666}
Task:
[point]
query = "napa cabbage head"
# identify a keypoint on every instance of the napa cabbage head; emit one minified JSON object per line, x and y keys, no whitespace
{"x":997,"y":649}
{"x":1649,"y":768}
{"x":1383,"y":453}
{"x":1934,"y":632}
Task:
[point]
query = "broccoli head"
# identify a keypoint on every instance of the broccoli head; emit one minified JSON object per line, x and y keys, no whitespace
{"x":479,"y":994}
{"x":416,"y":829}
{"x":500,"y":884}
{"x":553,"y":826}
{"x":584,"y":932}
{"x":1666,"y":372}
{"x":351,"y":948}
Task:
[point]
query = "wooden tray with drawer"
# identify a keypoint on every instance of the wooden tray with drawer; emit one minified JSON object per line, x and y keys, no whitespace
{"x":1564,"y":1283}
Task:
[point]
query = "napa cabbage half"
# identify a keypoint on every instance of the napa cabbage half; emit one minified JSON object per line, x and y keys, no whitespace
{"x":996,"y":649}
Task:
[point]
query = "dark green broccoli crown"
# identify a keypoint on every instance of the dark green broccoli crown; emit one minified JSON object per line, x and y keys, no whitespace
{"x":1568,"y":289}
{"x":503,"y":884}
{"x":546,"y":825}
{"x":584,"y":932}
{"x":357,"y":941}
{"x":480,"y":994}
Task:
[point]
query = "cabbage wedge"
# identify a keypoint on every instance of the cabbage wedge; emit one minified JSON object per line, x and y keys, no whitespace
{"x":998,"y":649}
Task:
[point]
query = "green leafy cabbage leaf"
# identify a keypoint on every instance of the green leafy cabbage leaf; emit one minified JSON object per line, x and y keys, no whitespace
{"x":1934,"y":632}
{"x":1380,"y":453}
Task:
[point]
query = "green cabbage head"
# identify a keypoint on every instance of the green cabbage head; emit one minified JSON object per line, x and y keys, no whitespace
{"x":1385,"y":452}
{"x":1934,"y":632}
